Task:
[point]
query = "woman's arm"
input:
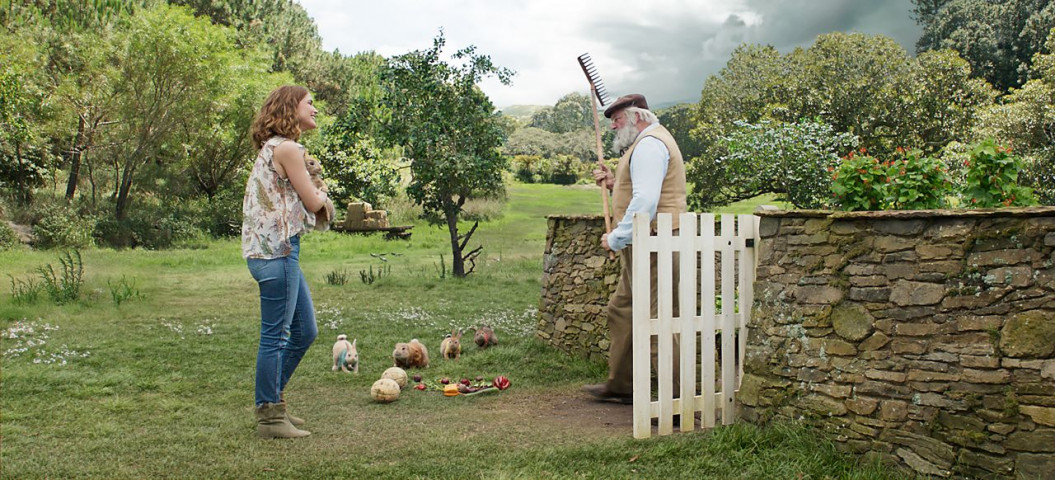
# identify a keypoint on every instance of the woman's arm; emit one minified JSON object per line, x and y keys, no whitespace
{"x":289,"y":160}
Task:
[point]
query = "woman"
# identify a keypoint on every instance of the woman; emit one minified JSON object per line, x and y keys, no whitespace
{"x":279,"y":205}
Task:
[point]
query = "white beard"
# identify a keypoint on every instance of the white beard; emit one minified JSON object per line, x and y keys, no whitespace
{"x":624,"y":137}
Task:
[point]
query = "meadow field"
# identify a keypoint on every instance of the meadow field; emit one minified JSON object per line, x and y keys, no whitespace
{"x":149,"y":373}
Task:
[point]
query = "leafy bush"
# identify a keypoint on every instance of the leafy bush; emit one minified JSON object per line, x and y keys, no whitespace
{"x":61,"y":226}
{"x":8,"y":237}
{"x":155,"y":225}
{"x":1040,"y":175}
{"x":790,"y":159}
{"x":355,"y":168}
{"x":991,"y":178}
{"x":558,"y":169}
{"x":908,"y":182}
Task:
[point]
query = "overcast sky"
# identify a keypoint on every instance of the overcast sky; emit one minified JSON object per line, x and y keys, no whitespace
{"x":664,"y":49}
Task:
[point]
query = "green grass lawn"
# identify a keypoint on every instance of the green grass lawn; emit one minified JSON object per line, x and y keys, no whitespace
{"x":161,"y":385}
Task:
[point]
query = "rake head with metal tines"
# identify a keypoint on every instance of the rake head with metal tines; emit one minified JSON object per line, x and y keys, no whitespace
{"x":595,"y":79}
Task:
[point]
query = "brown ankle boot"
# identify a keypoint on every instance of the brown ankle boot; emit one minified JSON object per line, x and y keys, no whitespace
{"x":271,"y":422}
{"x":296,"y":421}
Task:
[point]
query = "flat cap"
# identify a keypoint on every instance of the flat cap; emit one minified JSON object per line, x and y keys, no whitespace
{"x":632,"y":100}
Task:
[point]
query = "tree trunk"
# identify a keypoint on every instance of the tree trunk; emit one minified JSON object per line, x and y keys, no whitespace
{"x":457,"y":262}
{"x":75,"y":161}
{"x":123,"y":197}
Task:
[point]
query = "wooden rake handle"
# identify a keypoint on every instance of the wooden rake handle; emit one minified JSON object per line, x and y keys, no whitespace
{"x":600,"y":161}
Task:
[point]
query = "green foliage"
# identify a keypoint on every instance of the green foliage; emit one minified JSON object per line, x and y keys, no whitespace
{"x":792,"y":160}
{"x":161,"y":88}
{"x":58,"y":225}
{"x":123,"y":290}
{"x":1026,"y":120}
{"x":448,"y":129}
{"x":998,"y":38}
{"x":991,"y":178}
{"x":355,"y":168}
{"x":8,"y":237}
{"x":572,"y":112}
{"x":908,"y":182}
{"x":337,"y":277}
{"x":917,"y":182}
{"x":159,"y":224}
{"x":25,"y":292}
{"x":23,"y":161}
{"x":64,"y":287}
{"x":560,"y":169}
{"x":369,"y":276}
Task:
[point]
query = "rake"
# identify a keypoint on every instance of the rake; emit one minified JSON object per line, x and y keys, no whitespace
{"x":598,"y":95}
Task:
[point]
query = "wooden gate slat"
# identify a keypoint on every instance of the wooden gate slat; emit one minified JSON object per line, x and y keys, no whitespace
{"x":696,"y":246}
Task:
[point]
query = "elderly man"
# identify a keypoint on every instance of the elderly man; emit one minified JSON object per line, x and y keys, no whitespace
{"x":650,"y":178}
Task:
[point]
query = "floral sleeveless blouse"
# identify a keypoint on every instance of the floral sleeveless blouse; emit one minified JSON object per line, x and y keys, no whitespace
{"x":271,"y":209}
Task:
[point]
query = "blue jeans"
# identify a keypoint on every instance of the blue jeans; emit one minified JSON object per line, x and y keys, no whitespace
{"x":287,"y":321}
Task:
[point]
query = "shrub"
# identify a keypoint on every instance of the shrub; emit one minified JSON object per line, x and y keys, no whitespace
{"x":558,"y":169}
{"x":908,"y":182}
{"x":991,"y":178}
{"x":790,"y":159}
{"x":155,"y":224}
{"x":1040,"y":174}
{"x":61,"y":226}
{"x":8,"y":237}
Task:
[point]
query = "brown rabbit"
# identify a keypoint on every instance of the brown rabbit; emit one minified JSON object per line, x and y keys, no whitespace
{"x":485,"y":337}
{"x":451,"y":348}
{"x":411,"y":355}
{"x":325,"y":216}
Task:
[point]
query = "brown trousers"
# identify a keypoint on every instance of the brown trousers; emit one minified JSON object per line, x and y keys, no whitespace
{"x":620,"y":325}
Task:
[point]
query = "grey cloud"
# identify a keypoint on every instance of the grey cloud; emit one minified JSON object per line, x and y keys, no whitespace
{"x":672,"y":57}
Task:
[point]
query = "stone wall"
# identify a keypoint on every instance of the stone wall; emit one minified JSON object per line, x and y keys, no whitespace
{"x":577,"y":279}
{"x":923,"y":338}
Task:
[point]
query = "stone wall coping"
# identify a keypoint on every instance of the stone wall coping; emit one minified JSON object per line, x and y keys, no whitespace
{"x":908,"y":214}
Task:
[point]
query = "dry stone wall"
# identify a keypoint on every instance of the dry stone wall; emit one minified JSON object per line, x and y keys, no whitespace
{"x":577,"y":279}
{"x":923,"y":338}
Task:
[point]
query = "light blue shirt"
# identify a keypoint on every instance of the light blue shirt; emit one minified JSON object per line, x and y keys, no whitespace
{"x":648,"y":168}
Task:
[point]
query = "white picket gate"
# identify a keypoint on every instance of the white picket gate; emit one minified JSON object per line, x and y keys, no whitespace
{"x":699,"y":317}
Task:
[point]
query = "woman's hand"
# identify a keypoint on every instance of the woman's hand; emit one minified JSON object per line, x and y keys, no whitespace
{"x":289,"y":161}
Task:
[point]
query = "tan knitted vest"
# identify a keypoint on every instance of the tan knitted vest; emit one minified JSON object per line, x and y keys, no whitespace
{"x":671,"y":197}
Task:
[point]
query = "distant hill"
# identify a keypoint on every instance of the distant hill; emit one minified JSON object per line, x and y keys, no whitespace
{"x":521,"y":112}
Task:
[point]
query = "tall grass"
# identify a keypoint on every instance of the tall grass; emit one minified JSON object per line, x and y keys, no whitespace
{"x":162,"y":386}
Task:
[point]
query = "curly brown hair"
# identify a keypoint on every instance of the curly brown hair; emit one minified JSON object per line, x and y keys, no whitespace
{"x":278,"y":115}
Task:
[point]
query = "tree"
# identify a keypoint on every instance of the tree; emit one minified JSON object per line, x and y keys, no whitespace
{"x":944,"y":101}
{"x":680,"y":121}
{"x":355,"y":167}
{"x":998,"y":38}
{"x":169,"y":70}
{"x":572,"y":112}
{"x":449,"y":131}
{"x":792,"y":160}
{"x":856,"y":83}
{"x":22,"y":160}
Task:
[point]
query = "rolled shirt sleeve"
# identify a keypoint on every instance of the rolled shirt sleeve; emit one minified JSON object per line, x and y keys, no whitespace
{"x":648,"y":168}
